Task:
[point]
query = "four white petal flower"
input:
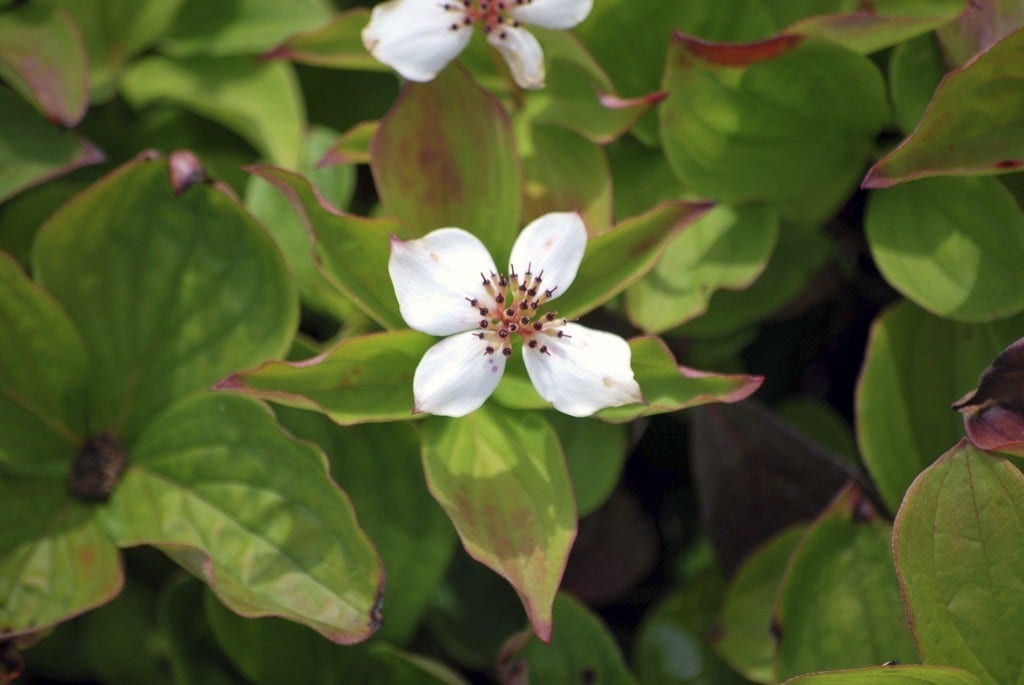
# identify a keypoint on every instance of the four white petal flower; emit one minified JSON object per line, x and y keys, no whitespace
{"x":447,"y":284}
{"x":418,"y":38}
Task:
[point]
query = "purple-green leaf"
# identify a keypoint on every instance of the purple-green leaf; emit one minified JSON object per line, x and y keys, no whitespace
{"x":992,"y":412}
{"x":501,"y":478}
{"x":974,"y":124}
{"x":445,"y":156}
{"x":960,"y":557}
{"x":982,"y":23}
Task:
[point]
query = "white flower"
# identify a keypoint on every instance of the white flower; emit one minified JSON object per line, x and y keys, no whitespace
{"x":447,"y":284}
{"x":418,"y":38}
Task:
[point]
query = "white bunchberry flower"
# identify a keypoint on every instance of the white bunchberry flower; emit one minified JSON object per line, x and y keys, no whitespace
{"x":447,"y":284}
{"x":418,"y":38}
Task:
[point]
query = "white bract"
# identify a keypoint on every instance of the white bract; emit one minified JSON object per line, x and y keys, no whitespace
{"x":447,"y":284}
{"x":418,"y":38}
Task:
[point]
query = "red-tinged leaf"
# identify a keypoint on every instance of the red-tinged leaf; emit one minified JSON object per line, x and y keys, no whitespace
{"x":737,"y":55}
{"x":445,"y":156}
{"x":368,"y":378}
{"x":350,"y":251}
{"x":353,"y":147}
{"x":757,"y":475}
{"x":983,"y":23}
{"x":973,"y":125}
{"x":993,"y":415}
{"x":501,"y":478}
{"x":43,"y":58}
{"x":337,"y":44}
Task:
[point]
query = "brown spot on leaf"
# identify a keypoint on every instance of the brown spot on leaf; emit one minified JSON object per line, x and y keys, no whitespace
{"x":97,"y":468}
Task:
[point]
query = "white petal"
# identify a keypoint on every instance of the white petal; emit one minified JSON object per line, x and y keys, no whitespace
{"x":415,"y":37}
{"x":554,"y":244}
{"x":522,"y":53}
{"x":551,"y":14}
{"x":456,"y":376}
{"x":435,"y":275}
{"x":586,"y":370}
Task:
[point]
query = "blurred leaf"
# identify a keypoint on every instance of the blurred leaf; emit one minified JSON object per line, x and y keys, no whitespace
{"x":445,"y":156}
{"x":673,"y":643}
{"x":959,"y":555}
{"x":581,"y":651}
{"x":56,"y":559}
{"x":743,"y":635}
{"x":367,"y":378}
{"x":839,"y":606}
{"x":169,"y":293}
{"x":564,"y":171}
{"x":43,"y":372}
{"x":240,"y":27}
{"x":352,"y":147}
{"x":974,"y":124}
{"x":788,"y":120}
{"x":880,"y":24}
{"x":343,"y":252}
{"x":907,"y":384}
{"x":217,"y":484}
{"x":32,"y":151}
{"x":641,"y":177}
{"x":501,"y":478}
{"x":821,"y":423}
{"x":797,"y":257}
{"x":191,"y":649}
{"x":617,"y":259}
{"x":915,"y":70}
{"x":121,"y":639}
{"x":336,"y":44}
{"x":889,"y":675}
{"x":22,"y":216}
{"x":259,"y":101}
{"x":983,"y":23}
{"x":755,"y":475}
{"x":726,"y":248}
{"x":595,"y":452}
{"x":961,"y":260}
{"x":379,"y":468}
{"x":42,"y":57}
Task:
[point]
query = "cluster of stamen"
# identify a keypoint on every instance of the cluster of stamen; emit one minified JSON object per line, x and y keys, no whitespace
{"x":490,"y":13}
{"x":513,"y":303}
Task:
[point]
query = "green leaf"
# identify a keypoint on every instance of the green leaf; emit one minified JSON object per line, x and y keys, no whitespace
{"x":259,"y":101}
{"x":974,"y":124}
{"x":595,"y":453}
{"x":961,"y":260}
{"x":169,"y":293}
{"x":43,"y":373}
{"x":960,"y":559}
{"x":889,"y":675}
{"x":378,"y":466}
{"x":727,"y":248}
{"x":241,"y":27}
{"x":56,"y":559}
{"x":445,"y":156}
{"x":191,"y":648}
{"x":907,"y":384}
{"x":582,"y":650}
{"x":367,"y":378}
{"x":915,"y":70}
{"x":641,"y":177}
{"x":789,"y":121}
{"x":668,"y":387}
{"x":32,"y":151}
{"x":348,"y":253}
{"x":883,"y":23}
{"x":121,"y":639}
{"x":617,"y":259}
{"x":230,"y":496}
{"x":743,"y":637}
{"x":564,"y":171}
{"x":42,"y":57}
{"x":501,"y":478}
{"x":352,"y":147}
{"x":822,"y":423}
{"x":839,"y":606}
{"x":337,"y":44}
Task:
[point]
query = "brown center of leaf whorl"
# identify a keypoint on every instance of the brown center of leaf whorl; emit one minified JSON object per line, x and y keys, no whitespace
{"x":97,"y":468}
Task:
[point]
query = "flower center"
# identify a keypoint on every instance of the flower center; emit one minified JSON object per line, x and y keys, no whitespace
{"x":512,"y":309}
{"x":490,"y":13}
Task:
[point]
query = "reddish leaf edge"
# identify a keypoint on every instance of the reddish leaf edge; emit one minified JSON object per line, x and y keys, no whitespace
{"x":737,"y":54}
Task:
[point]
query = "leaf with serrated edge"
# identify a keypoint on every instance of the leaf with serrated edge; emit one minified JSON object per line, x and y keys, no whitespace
{"x":501,"y":478}
{"x":216,"y":483}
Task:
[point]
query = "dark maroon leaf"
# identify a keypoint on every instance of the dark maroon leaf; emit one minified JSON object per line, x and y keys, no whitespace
{"x":994,"y":412}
